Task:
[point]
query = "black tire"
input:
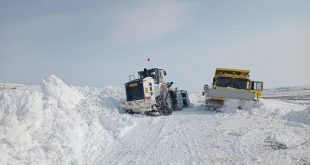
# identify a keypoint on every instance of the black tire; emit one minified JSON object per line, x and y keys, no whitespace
{"x":164,"y":103}
{"x":173,"y":100}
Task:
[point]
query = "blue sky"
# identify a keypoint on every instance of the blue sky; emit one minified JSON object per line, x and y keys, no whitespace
{"x":97,"y":43}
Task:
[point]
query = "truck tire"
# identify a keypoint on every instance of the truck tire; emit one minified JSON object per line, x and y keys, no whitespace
{"x":174,"y":101}
{"x":164,"y":103}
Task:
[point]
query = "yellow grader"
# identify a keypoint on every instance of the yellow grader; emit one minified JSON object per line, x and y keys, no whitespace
{"x":231,"y":84}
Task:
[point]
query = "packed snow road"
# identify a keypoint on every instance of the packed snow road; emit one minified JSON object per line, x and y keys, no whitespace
{"x":159,"y":140}
{"x":196,"y":136}
{"x":55,"y":123}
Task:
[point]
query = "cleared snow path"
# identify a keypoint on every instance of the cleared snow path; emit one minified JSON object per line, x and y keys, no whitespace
{"x":196,"y":136}
{"x":160,"y":140}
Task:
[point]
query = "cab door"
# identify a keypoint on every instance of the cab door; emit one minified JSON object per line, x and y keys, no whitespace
{"x":257,"y":88}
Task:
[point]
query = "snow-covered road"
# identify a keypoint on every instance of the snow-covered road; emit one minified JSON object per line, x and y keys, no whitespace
{"x":159,"y":140}
{"x":196,"y":136}
{"x":59,"y":124}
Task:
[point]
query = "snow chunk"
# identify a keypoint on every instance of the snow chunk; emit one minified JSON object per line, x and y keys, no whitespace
{"x":20,"y":116}
{"x":56,"y":90}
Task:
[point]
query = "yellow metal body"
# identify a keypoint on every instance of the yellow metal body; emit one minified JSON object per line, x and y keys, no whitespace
{"x":240,"y":74}
{"x":231,"y":72}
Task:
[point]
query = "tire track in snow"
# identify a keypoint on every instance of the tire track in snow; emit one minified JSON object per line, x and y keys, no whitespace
{"x":189,"y":142}
{"x":171,"y":145}
{"x":203,"y":134}
{"x":194,"y":127}
{"x":151,"y":144}
{"x":132,"y":147}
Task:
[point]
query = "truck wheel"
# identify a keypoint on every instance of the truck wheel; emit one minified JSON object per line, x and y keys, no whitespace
{"x":170,"y":104}
{"x":164,"y":104}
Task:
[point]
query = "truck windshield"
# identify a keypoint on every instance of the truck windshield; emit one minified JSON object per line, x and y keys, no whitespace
{"x":240,"y":83}
{"x":224,"y":82}
{"x":229,"y":82}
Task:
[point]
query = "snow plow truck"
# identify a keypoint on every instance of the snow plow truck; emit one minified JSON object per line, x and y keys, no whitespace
{"x":149,"y":94}
{"x":231,"y":84}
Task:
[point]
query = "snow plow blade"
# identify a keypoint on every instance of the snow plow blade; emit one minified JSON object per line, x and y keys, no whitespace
{"x":231,"y":94}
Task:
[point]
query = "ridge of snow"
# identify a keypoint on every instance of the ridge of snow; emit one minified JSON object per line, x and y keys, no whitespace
{"x":59,"y":124}
{"x":54,"y":88}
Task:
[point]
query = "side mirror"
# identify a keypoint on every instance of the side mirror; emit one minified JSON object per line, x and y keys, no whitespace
{"x":203,"y":93}
{"x":165,"y":73}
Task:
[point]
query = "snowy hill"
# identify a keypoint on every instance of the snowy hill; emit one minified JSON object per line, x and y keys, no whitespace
{"x":54,"y":123}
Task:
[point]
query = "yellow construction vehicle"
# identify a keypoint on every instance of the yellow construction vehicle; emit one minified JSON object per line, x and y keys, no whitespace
{"x":231,"y":84}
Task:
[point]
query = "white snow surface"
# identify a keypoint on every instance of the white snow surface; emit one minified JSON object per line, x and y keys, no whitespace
{"x":56,"y":91}
{"x":55,"y":123}
{"x":59,"y":124}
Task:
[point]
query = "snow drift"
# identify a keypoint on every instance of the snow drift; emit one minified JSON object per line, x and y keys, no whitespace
{"x":55,"y":90}
{"x":20,"y":116}
{"x":59,"y":124}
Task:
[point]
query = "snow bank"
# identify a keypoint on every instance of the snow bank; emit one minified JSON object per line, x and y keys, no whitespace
{"x":59,"y":124}
{"x":20,"y":116}
{"x":55,"y":90}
